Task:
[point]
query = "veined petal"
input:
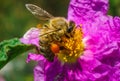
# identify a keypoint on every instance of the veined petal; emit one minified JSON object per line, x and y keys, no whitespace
{"x":47,"y":71}
{"x":100,"y":58}
{"x":116,"y":22}
{"x":31,"y":37}
{"x":82,"y":10}
{"x":35,"y":57}
{"x":39,"y":72}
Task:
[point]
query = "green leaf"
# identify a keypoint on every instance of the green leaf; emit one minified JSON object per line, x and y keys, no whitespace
{"x":9,"y":49}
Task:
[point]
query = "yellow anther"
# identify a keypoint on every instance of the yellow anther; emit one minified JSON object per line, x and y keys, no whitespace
{"x":73,"y":47}
{"x":74,"y":51}
{"x":64,"y":58}
{"x":76,"y":55}
{"x":70,"y":54}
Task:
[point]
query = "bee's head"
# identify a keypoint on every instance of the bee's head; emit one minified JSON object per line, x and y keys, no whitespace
{"x":71,"y":26}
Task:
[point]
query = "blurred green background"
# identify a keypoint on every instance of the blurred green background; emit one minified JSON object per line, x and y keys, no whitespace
{"x":15,"y":20}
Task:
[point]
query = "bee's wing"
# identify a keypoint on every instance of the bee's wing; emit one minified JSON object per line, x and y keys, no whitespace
{"x":38,"y":12}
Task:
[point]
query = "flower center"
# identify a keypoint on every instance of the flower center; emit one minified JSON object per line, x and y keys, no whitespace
{"x":73,"y":47}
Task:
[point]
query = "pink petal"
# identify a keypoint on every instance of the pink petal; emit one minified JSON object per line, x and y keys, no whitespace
{"x":82,"y":10}
{"x":35,"y":57}
{"x":31,"y":37}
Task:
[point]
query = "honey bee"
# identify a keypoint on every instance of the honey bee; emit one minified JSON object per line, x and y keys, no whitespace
{"x":52,"y":31}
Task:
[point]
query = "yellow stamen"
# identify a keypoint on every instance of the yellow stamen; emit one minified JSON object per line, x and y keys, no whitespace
{"x":73,"y":47}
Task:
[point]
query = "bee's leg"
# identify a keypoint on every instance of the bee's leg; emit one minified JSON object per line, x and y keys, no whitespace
{"x":49,"y":37}
{"x":45,"y":26}
{"x":46,"y":51}
{"x":56,"y":37}
{"x":42,"y":49}
{"x":43,"y":46}
{"x":49,"y":54}
{"x":62,"y":47}
{"x":72,"y":33}
{"x":37,"y":50}
{"x":67,"y":35}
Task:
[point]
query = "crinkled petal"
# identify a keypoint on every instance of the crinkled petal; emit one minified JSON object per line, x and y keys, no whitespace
{"x":116,"y":21}
{"x":39,"y":72}
{"x":35,"y":57}
{"x":100,"y":60}
{"x":47,"y":71}
{"x":101,"y":57}
{"x":83,"y":10}
{"x":31,"y":37}
{"x":104,"y":44}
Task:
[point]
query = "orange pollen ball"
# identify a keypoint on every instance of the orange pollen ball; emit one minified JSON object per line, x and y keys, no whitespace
{"x":55,"y":48}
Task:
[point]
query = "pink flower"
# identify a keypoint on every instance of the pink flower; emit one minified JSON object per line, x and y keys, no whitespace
{"x":100,"y":60}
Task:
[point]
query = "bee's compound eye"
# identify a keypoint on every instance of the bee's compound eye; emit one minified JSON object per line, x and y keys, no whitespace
{"x":71,"y":26}
{"x":69,"y":29}
{"x":55,"y":48}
